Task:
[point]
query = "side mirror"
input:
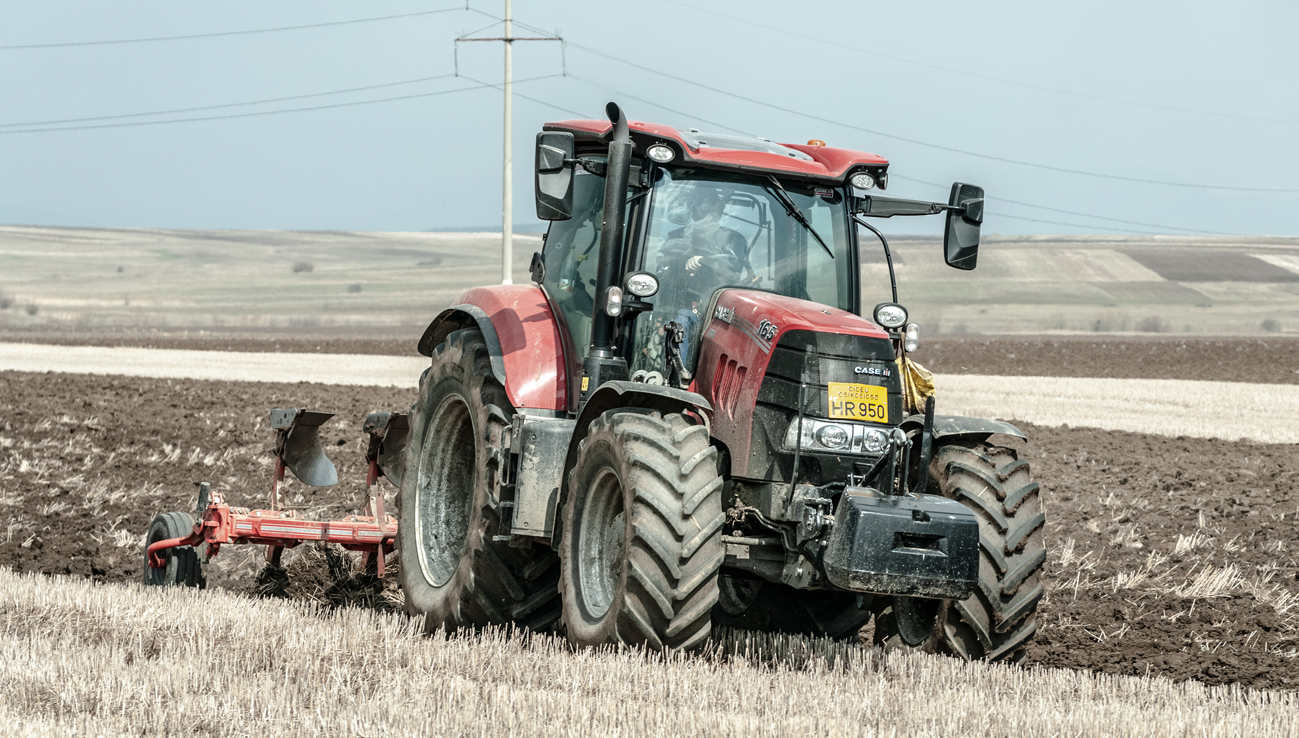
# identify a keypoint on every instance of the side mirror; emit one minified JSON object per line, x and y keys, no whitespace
{"x":554,"y":175}
{"x":961,"y":236}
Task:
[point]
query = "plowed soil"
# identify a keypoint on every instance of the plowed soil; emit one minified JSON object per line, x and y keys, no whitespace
{"x":1262,"y":360}
{"x":1168,"y":556}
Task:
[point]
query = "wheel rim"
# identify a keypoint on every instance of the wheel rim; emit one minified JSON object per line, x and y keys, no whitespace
{"x":444,"y":490}
{"x":914,"y":617}
{"x":601,"y":534}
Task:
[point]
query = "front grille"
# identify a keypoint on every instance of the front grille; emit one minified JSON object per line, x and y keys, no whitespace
{"x":828,"y":357}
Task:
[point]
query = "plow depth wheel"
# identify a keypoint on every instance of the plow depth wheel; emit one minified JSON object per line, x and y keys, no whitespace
{"x":642,"y":533}
{"x":183,"y":566}
{"x":999,"y":619}
{"x":452,"y":572}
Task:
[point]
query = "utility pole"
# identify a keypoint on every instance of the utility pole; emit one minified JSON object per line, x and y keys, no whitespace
{"x":507,"y":204}
{"x":507,"y":178}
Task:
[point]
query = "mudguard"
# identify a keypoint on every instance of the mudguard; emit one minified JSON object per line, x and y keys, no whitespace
{"x":624,"y":396}
{"x":947,"y":426}
{"x":522,"y":338}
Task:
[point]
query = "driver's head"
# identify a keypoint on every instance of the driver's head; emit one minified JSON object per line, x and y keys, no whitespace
{"x":706,"y":203}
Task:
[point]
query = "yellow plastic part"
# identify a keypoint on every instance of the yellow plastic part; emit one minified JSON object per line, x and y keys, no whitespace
{"x":917,"y":385}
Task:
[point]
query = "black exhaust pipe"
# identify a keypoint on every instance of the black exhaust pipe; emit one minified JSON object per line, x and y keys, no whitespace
{"x":600,"y":364}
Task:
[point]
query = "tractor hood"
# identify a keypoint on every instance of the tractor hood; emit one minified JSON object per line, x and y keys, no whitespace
{"x":764,"y":317}
{"x":754,"y":349}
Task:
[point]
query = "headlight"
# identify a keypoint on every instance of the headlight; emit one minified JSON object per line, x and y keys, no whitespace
{"x":845,"y":438}
{"x":890,"y":315}
{"x":863,"y":181}
{"x":642,"y":284}
{"x":832,"y":436}
{"x":661,"y":154}
{"x":875,"y":440}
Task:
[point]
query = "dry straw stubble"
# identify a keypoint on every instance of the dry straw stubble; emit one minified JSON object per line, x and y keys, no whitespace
{"x":96,"y":659}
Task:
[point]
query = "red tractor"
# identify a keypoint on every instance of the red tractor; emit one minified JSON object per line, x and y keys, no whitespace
{"x":689,"y":419}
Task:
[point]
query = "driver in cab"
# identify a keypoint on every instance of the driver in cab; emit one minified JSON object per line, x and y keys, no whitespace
{"x":706,"y":251}
{"x":700,"y":256}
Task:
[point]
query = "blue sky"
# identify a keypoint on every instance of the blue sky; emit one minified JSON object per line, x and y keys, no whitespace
{"x":1192,"y":93}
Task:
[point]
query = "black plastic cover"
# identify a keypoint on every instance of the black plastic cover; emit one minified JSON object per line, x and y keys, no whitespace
{"x":916,"y":545}
{"x":554,"y":178}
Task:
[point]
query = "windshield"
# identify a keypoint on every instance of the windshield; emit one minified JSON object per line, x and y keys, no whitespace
{"x":709,"y":230}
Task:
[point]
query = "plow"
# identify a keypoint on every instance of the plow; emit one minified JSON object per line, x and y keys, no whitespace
{"x":173,"y":540}
{"x":691,"y":417}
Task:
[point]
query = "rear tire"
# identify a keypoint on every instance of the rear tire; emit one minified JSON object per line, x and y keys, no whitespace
{"x":184,"y":569}
{"x":999,"y":619}
{"x":642,"y":533}
{"x":451,"y":571}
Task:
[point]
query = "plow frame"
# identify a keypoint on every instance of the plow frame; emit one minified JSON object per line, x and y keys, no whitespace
{"x":373,"y":532}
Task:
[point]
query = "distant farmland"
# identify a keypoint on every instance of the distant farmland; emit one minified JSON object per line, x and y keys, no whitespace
{"x":341,"y":282}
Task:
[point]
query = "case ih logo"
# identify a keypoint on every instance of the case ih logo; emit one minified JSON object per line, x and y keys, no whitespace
{"x":767,"y":330}
{"x":878,"y":371}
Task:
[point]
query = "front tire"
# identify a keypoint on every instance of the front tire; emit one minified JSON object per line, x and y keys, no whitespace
{"x":451,"y":571}
{"x":642,"y":533}
{"x":999,"y":619}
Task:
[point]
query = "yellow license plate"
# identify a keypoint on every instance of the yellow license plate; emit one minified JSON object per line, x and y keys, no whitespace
{"x":859,"y":402}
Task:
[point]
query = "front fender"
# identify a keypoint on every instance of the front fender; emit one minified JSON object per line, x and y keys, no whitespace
{"x":948,"y":426}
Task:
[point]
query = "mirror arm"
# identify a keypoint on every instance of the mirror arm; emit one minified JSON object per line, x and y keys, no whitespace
{"x":598,"y":168}
{"x":888,"y":255}
{"x":921,"y":207}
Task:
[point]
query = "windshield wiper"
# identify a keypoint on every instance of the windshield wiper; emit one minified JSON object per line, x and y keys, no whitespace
{"x":791,"y":207}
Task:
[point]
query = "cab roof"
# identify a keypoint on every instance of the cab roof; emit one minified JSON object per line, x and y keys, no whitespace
{"x":735,"y":153}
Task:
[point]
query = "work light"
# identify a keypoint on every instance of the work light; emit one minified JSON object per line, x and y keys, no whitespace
{"x":890,"y":315}
{"x":863,"y":181}
{"x":661,"y":154}
{"x":642,"y":284}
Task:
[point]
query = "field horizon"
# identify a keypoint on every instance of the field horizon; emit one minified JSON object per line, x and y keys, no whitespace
{"x":104,"y":278}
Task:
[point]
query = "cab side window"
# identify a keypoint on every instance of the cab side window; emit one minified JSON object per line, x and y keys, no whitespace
{"x":571,"y":253}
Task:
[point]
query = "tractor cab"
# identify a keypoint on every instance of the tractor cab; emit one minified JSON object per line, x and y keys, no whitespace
{"x":700,"y":214}
{"x":696,"y":231}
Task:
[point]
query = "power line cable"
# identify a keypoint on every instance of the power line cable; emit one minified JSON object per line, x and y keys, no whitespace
{"x":267,"y":112}
{"x":223,"y":105}
{"x":968,"y":73}
{"x":226,"y":33}
{"x":926,"y":144}
{"x":1165,"y":228}
{"x":1076,"y":225}
{"x":657,"y":105}
{"x":560,"y":108}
